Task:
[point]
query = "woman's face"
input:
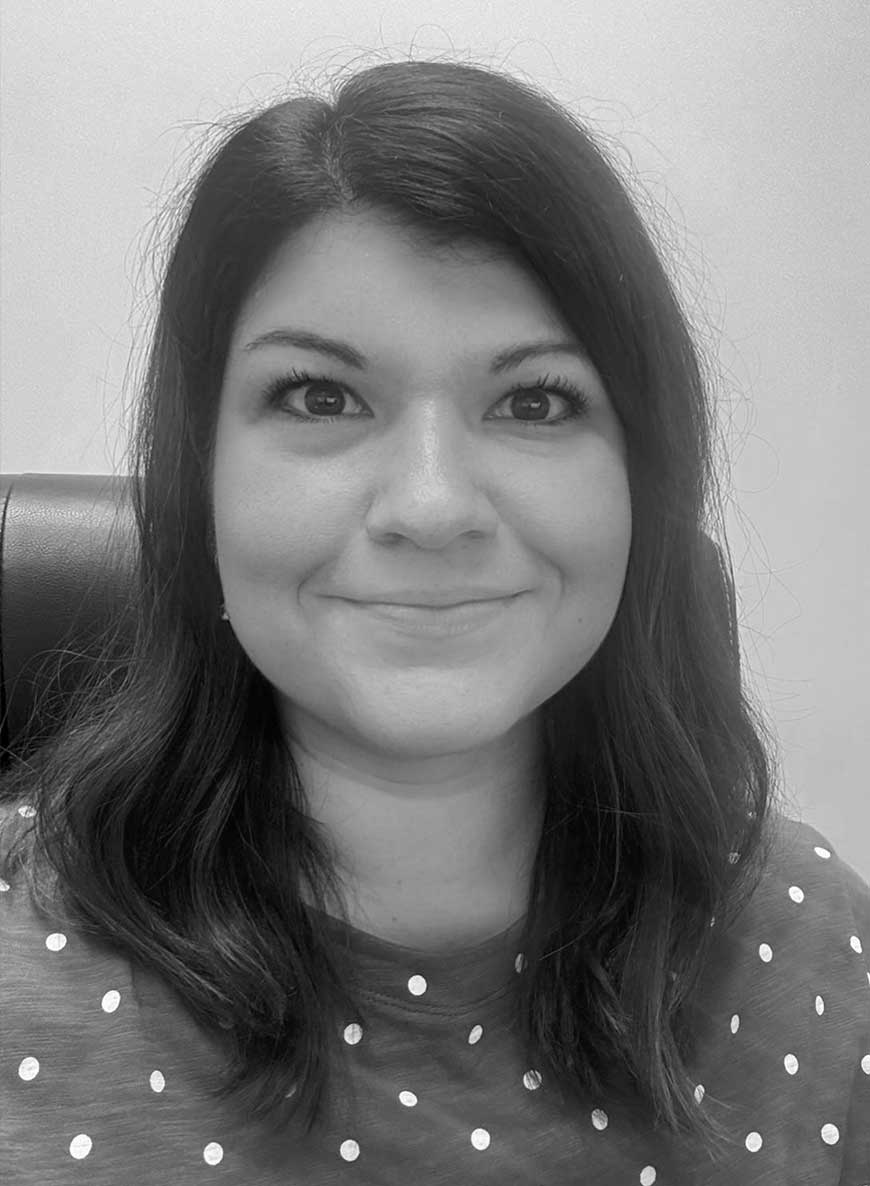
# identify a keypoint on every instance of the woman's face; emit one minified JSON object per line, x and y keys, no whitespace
{"x":435,"y":480}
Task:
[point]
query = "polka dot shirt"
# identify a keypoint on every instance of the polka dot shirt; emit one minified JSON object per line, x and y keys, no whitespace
{"x":103,"y":1073}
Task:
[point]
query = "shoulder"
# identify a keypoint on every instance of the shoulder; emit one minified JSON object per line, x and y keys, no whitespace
{"x":73,"y":1072}
{"x":54,"y":977}
{"x":783,"y":1019}
{"x":808,"y":920}
{"x":810,"y":933}
{"x":791,"y":971}
{"x":809,"y":885}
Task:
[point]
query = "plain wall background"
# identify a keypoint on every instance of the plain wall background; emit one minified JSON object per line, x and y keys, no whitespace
{"x":746,"y":125}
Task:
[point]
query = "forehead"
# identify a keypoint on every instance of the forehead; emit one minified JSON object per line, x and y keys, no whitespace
{"x":368,"y":273}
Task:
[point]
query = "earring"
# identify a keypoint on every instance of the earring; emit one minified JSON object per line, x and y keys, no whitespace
{"x":224,"y":615}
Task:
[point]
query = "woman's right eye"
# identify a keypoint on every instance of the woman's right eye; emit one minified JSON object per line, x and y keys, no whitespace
{"x":278,"y":388}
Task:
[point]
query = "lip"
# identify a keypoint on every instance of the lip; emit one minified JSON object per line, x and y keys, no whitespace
{"x":438,"y":621}
{"x":433,"y":598}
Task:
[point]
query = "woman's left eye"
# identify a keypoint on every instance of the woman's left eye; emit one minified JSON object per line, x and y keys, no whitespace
{"x":577,"y":399}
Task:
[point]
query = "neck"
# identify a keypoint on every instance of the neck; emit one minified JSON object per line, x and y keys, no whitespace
{"x":430,"y":864}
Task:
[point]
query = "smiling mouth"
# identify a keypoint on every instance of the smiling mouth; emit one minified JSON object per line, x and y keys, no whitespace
{"x":438,"y":620}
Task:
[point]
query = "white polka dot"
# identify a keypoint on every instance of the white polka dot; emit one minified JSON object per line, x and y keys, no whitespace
{"x":599,"y":1120}
{"x":480,"y":1138}
{"x":519,"y":962}
{"x":820,"y":1006}
{"x":765,"y":952}
{"x":475,"y":1034}
{"x":700,"y":1092}
{"x":56,"y":942}
{"x":408,"y":1099}
{"x":353,"y":1033}
{"x":28,"y":812}
{"x":157,"y":1081}
{"x":213,"y":1153}
{"x":865,"y":1064}
{"x":4,"y":886}
{"x":735,"y":1023}
{"x":795,"y":893}
{"x":349,"y":1150}
{"x":417,"y":985}
{"x":712,"y":920}
{"x":80,"y":1146}
{"x":733,"y":858}
{"x":855,"y":944}
{"x":830,"y":1134}
{"x":791,"y":1064}
{"x":821,"y":852}
{"x":754,"y":1142}
{"x":111,"y":1001}
{"x":28,"y":1068}
{"x":532,"y":1080}
{"x":647,"y":1176}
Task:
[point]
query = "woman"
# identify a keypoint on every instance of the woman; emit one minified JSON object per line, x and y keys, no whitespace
{"x":349,"y":876}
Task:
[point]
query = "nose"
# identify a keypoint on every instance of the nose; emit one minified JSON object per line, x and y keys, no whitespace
{"x":432,"y":484}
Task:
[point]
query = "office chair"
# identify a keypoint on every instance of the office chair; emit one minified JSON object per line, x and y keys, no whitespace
{"x":67,"y":564}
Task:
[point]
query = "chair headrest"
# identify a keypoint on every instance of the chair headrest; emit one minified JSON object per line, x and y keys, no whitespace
{"x":68,"y":558}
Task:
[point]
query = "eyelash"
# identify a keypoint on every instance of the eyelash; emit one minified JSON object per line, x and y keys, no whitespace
{"x":577,"y":399}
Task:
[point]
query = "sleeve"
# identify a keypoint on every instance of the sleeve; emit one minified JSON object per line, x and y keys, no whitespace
{"x":856,"y":1159}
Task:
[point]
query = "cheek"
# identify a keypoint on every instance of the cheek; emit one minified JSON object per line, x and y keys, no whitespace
{"x":278,"y":527}
{"x":587,"y":533}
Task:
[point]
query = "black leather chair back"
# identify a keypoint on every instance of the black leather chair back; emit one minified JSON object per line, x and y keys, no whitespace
{"x":68,"y":552}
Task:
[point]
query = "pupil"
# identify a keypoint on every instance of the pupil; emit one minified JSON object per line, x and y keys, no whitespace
{"x":315,"y":402}
{"x":535,"y":400}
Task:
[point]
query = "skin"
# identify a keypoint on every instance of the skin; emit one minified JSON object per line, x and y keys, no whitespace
{"x":421,"y":758}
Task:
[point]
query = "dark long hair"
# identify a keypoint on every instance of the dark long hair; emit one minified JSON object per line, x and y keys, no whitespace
{"x":166,"y":800}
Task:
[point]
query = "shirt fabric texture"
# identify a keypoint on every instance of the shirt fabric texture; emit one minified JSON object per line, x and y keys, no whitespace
{"x":102,"y":1070}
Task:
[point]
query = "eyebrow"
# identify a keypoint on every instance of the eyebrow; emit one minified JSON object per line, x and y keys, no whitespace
{"x":344,"y":352}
